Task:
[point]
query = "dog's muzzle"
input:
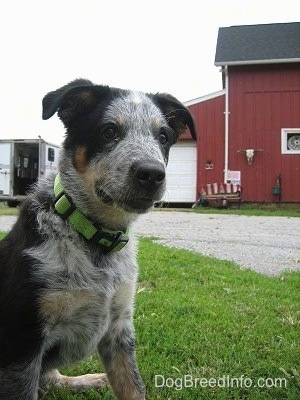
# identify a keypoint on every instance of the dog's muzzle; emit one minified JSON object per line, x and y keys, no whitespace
{"x":150,"y":175}
{"x":145,"y":184}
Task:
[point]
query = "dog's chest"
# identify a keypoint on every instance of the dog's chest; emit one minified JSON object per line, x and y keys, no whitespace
{"x":81,"y":293}
{"x":75,"y":320}
{"x":61,"y":307}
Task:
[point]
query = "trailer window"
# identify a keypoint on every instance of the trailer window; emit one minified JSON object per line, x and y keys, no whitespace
{"x":25,"y":162}
{"x":51,"y":154}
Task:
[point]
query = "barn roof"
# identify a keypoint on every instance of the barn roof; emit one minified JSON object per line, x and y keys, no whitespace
{"x":258,"y":44}
{"x":201,"y":99}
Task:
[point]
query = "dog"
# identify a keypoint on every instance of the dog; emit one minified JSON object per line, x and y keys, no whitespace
{"x":68,"y":267}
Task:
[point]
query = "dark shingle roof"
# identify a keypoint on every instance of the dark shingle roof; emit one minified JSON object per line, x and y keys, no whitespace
{"x":255,"y":44}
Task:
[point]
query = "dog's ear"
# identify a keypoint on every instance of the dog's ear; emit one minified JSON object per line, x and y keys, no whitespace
{"x":177,"y":115}
{"x":72,"y":100}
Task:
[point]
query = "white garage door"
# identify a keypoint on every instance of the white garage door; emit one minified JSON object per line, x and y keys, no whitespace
{"x":181,"y":173}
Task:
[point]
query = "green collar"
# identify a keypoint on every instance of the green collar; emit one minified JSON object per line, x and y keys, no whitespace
{"x":109,"y":240}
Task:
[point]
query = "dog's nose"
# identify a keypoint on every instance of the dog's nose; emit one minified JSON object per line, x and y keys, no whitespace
{"x":149,"y":173}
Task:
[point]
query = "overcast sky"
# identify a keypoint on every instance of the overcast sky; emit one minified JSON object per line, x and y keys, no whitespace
{"x":157,"y":45}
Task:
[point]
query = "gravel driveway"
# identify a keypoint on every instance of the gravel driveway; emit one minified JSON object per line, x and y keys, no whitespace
{"x":267,"y":245}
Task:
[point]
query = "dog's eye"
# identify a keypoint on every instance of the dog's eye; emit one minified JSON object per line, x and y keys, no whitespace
{"x":163,"y":137}
{"x":110,"y":133}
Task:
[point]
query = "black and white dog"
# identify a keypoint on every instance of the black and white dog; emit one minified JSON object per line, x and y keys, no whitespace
{"x":67,"y":273}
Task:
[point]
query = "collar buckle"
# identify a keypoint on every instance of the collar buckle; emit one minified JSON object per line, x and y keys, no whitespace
{"x":63,"y":205}
{"x":110,"y":241}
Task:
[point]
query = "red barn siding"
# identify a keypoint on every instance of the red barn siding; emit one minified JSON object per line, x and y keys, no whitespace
{"x":262,"y":100}
{"x":209,"y":119}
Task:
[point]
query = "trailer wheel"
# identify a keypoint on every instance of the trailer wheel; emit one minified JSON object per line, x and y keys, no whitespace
{"x":13,"y":203}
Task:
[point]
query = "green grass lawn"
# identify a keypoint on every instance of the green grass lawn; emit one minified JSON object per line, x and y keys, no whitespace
{"x":256,"y":209}
{"x":250,"y":209}
{"x":202,"y":318}
{"x":5,"y":210}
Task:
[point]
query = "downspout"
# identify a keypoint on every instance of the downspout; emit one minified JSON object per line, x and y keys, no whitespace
{"x":226,"y":123}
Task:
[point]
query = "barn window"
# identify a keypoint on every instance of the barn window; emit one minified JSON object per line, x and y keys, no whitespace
{"x":290,"y":140}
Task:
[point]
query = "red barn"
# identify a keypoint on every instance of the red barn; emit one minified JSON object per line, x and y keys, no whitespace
{"x":256,"y":114}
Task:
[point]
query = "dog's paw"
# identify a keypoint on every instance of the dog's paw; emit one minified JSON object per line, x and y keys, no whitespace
{"x":41,"y":393}
{"x":96,"y":381}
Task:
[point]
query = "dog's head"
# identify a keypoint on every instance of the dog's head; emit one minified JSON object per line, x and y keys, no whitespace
{"x":118,"y":141}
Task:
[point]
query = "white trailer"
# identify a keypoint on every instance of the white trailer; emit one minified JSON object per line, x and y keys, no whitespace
{"x":22,"y":162}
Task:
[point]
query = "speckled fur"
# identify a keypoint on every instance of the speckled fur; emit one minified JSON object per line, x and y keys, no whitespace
{"x":61,"y":297}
